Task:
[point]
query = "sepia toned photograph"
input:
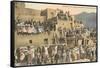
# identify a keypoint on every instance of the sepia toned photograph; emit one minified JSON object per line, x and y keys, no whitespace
{"x":49,"y":33}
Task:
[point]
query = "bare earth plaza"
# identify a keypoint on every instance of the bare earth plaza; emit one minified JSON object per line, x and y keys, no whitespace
{"x":54,"y":34}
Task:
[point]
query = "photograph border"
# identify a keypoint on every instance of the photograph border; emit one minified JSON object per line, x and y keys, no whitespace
{"x":12,"y":28}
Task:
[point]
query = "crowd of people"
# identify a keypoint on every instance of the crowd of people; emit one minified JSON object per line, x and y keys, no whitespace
{"x":31,"y":27}
{"x":54,"y":54}
{"x":67,"y":47}
{"x":28,"y":27}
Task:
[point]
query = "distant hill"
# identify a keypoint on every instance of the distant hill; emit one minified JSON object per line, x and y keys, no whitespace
{"x":89,"y":19}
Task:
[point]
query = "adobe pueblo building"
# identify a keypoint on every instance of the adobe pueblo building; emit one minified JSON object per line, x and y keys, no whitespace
{"x":48,"y":15}
{"x":47,"y":24}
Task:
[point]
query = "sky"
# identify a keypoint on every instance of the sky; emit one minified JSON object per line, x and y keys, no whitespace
{"x":74,"y":10}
